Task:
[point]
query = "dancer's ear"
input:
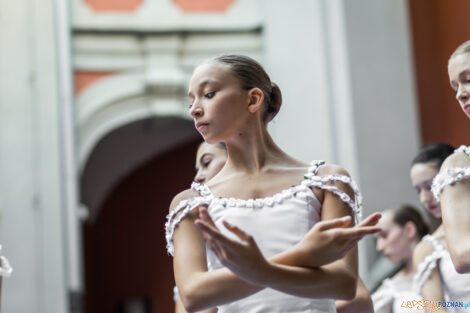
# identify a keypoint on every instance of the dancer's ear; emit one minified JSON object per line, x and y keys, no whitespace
{"x":410,"y":230}
{"x":255,"y":100}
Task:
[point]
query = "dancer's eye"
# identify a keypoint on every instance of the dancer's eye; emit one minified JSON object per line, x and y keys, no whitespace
{"x":210,"y":95}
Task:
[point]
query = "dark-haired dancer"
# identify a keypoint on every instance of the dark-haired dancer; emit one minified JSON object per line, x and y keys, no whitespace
{"x":276,"y":200}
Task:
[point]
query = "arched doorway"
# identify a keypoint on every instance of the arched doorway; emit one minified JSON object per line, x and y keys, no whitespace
{"x":127,"y":184}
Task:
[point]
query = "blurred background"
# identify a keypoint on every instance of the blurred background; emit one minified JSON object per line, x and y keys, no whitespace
{"x":95,"y":136}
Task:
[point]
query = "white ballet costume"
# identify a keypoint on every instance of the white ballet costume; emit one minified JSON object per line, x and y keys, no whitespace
{"x":276,"y":223}
{"x":394,"y":296}
{"x":456,"y":286}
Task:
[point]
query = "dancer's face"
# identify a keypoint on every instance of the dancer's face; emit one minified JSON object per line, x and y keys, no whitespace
{"x":209,"y":161}
{"x":422,"y":175}
{"x":393,"y":241}
{"x":459,"y":76}
{"x":218,"y":104}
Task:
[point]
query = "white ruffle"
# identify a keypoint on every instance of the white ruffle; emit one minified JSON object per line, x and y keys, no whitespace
{"x":464,"y":149}
{"x":450,"y":175}
{"x":310,"y":180}
{"x":177,"y":214}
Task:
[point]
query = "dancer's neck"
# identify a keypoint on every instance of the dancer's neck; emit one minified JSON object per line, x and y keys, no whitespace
{"x":252,"y":151}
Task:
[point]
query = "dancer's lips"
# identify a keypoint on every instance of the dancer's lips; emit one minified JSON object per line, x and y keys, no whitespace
{"x":200,"y":126}
{"x":466,"y":108}
{"x":434,"y":209}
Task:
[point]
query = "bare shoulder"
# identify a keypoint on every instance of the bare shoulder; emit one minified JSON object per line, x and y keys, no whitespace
{"x":183,"y":195}
{"x":332,"y":169}
{"x":422,"y":250}
{"x":457,"y":159}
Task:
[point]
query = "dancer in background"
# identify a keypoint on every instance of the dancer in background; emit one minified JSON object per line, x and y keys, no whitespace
{"x":209,"y":161}
{"x":402,"y":229}
{"x":274,"y":198}
{"x":435,"y":278}
{"x":452,"y":186}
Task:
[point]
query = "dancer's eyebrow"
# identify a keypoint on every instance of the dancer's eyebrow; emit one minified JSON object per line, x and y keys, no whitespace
{"x":202,"y":85}
{"x":204,"y":155}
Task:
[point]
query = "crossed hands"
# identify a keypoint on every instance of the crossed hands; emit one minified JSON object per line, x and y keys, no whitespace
{"x":326,"y":242}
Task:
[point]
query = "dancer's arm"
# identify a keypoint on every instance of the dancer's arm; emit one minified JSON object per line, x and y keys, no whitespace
{"x":362,"y":303}
{"x":432,"y":287}
{"x":455,"y":204}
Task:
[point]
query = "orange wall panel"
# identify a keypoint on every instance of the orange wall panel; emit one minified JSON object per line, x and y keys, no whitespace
{"x":114,"y":5}
{"x":85,"y":79}
{"x":203,"y":5}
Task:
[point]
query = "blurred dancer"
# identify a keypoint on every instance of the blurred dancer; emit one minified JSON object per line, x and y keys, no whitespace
{"x":402,"y":229}
{"x":452,"y":186}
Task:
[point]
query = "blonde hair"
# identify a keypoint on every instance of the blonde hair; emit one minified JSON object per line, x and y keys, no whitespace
{"x":463,"y":48}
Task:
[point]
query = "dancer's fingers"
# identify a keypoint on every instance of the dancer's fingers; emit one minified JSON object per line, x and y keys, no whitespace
{"x":204,"y":215}
{"x":334,"y":223}
{"x":210,"y":230}
{"x":371,"y":220}
{"x":215,"y":247}
{"x":359,"y":232}
{"x":237,"y":231}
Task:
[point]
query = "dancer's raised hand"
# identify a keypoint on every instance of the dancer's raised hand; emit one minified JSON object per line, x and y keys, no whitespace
{"x":329,"y":241}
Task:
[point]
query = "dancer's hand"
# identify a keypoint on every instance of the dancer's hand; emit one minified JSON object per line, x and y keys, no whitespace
{"x":242,"y":257}
{"x":331,"y":240}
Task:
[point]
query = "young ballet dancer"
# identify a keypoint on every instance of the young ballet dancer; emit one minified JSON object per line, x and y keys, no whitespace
{"x":452,"y":185}
{"x":244,"y":241}
{"x":403,"y":227}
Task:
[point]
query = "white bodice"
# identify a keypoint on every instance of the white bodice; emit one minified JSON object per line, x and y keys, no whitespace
{"x":275,"y":229}
{"x":394,"y":294}
{"x":276,"y":223}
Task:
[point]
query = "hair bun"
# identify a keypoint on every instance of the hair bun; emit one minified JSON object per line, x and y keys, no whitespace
{"x":275,"y":102}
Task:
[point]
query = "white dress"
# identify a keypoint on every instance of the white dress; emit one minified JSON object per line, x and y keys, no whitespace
{"x":396,"y":295}
{"x":456,"y":286}
{"x":277,"y":223}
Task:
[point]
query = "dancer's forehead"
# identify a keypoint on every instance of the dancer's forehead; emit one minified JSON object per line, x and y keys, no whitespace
{"x":206,"y":149}
{"x":210,"y":73}
{"x":458,"y":65}
{"x":386,"y":220}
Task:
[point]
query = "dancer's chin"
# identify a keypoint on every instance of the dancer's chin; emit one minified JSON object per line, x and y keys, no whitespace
{"x":210,"y":140}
